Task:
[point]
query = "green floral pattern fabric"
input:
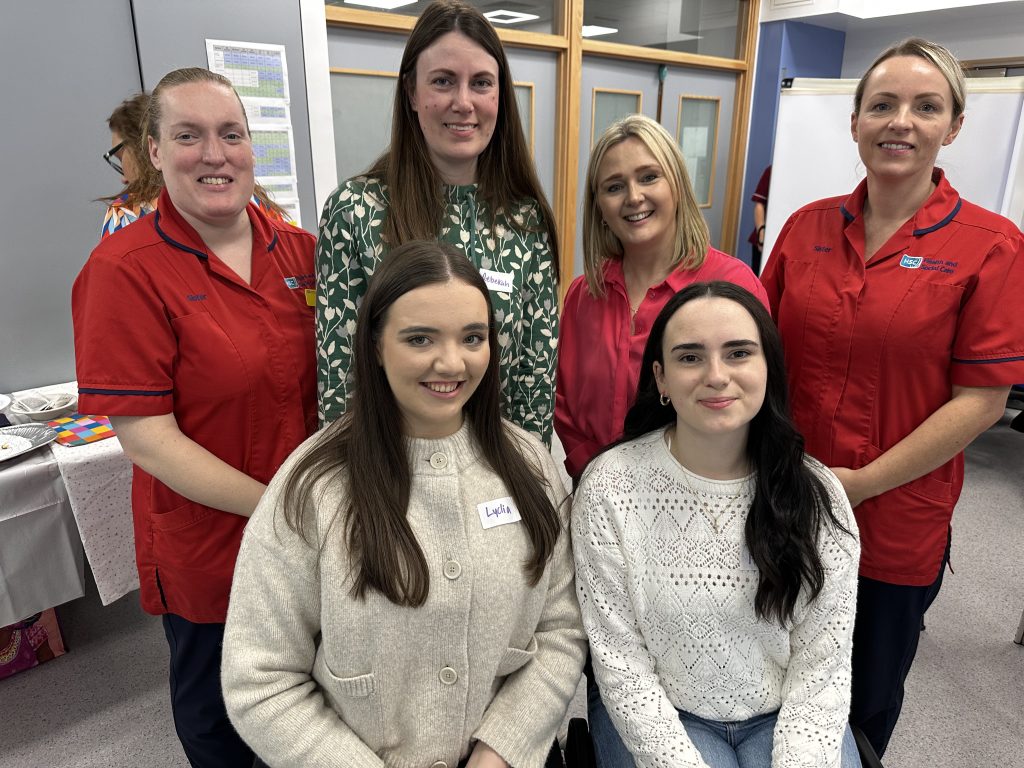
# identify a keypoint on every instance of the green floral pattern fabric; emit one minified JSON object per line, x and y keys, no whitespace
{"x":513,"y":244}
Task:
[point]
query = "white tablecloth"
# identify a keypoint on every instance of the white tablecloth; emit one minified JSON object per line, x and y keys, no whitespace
{"x":41,"y":561}
{"x":98,"y":482}
{"x":98,"y":478}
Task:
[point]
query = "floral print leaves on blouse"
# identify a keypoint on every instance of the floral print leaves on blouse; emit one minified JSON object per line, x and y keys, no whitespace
{"x":351,"y":246}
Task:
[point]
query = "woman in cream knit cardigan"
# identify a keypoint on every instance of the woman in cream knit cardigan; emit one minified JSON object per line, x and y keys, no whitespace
{"x":404,"y":591}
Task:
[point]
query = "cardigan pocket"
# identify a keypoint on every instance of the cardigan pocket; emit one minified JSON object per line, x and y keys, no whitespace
{"x":356,"y":700}
{"x":516,"y":658}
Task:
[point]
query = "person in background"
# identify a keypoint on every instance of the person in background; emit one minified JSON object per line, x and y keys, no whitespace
{"x":899,"y":313}
{"x":644,"y":239}
{"x":404,"y":592}
{"x":760,"y":201}
{"x":458,"y":170}
{"x":194,"y":332}
{"x":716,"y":563}
{"x":129,"y":156}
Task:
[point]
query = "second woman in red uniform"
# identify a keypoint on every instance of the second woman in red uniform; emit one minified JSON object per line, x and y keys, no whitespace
{"x":194,"y":332}
{"x":902,"y":335}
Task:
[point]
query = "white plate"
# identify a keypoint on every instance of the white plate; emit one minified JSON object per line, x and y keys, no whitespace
{"x":22,"y":438}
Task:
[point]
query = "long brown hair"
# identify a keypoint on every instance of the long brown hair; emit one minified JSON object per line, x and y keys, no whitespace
{"x":505,"y":170}
{"x":599,"y":243}
{"x":366,"y":448}
{"x":126,"y":122}
{"x":153,"y":115}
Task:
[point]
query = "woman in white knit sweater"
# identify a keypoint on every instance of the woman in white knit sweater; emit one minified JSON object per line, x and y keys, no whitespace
{"x":404,"y":592}
{"x":716,"y":563}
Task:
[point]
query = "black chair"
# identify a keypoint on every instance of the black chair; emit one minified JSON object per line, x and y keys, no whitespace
{"x":579,"y":750}
{"x":868,"y":758}
{"x":1017,"y":397}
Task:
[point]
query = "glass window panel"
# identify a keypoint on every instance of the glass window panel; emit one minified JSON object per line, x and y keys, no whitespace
{"x":525,"y":15}
{"x":360,"y":99}
{"x":609,"y":106}
{"x":697,"y":134}
{"x":707,"y":27}
{"x":524,"y":102}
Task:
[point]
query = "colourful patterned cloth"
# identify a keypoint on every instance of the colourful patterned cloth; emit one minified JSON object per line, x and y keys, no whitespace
{"x":510,"y":248}
{"x":119,"y":215}
{"x":78,"y":429}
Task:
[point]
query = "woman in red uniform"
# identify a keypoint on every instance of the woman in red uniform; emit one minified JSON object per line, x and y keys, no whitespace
{"x":896,"y":307}
{"x":644,"y":239}
{"x":194,"y":332}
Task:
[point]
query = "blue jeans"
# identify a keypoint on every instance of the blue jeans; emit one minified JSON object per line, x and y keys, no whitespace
{"x":746,"y":744}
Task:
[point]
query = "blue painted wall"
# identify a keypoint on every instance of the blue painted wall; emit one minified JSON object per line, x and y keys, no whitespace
{"x":786,"y":49}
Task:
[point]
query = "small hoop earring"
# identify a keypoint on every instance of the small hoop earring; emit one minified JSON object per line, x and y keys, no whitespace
{"x":665,"y":399}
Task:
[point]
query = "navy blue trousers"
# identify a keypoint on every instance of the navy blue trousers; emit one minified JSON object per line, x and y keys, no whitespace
{"x":197,"y":702}
{"x":885,"y":637}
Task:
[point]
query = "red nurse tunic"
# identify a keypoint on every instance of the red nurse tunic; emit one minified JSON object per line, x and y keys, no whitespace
{"x":164,"y":326}
{"x":872,"y":350}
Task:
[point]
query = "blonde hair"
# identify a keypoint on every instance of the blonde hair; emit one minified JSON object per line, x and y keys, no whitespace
{"x":599,"y":243}
{"x":933,"y":53}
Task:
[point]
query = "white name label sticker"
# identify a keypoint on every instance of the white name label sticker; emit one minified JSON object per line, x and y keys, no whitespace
{"x":497,"y":281}
{"x":498,"y":512}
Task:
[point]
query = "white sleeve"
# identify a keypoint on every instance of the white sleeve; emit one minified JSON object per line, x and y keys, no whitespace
{"x":626,"y":671}
{"x":816,"y":689}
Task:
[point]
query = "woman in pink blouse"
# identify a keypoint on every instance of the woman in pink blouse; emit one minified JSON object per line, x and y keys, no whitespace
{"x":644,"y":239}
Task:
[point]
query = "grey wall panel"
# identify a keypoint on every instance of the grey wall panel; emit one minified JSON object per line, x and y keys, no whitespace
{"x":541,"y":69}
{"x":66,"y":65}
{"x":721,"y":85}
{"x":173,"y":35}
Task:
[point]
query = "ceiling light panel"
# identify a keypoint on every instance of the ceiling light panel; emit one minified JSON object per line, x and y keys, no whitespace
{"x":594,"y":30}
{"x":385,"y":5}
{"x":509,"y":17}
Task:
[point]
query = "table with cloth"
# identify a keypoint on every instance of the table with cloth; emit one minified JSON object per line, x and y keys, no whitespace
{"x":56,"y":502}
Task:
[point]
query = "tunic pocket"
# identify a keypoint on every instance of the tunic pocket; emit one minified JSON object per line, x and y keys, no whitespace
{"x":180,"y":517}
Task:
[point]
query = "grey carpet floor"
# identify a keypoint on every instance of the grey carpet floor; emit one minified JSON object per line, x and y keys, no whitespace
{"x":105,"y":703}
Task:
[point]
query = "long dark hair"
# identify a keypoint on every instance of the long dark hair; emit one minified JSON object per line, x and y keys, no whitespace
{"x":366,"y":448}
{"x":790,"y":500}
{"x":505,"y":169}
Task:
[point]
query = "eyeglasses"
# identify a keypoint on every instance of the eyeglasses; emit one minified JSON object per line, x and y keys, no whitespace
{"x":112,"y":159}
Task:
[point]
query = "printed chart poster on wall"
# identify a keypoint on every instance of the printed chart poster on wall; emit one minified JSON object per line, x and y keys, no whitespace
{"x":259,"y":72}
{"x":816,"y":157}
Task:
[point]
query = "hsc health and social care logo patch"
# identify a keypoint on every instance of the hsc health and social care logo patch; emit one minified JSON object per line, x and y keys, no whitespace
{"x":928,"y":265}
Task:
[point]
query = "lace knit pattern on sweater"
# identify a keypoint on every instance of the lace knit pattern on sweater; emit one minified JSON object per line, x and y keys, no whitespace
{"x":667,"y":585}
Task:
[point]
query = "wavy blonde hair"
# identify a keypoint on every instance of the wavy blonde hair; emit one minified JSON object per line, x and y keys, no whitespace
{"x":599,"y":243}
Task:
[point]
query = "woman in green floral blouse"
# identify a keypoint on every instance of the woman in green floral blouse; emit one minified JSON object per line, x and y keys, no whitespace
{"x":458,"y":170}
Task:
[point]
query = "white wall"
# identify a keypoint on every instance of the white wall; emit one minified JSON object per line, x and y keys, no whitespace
{"x":839,"y":13}
{"x":984,"y":32}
